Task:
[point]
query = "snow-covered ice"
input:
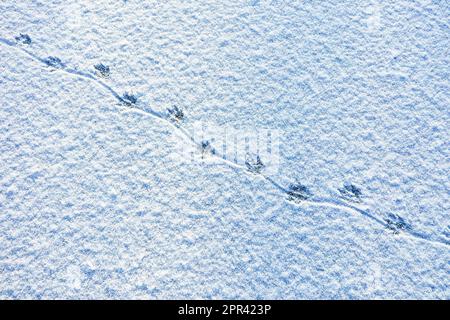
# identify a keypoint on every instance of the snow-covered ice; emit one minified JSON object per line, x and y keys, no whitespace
{"x":104,"y":193}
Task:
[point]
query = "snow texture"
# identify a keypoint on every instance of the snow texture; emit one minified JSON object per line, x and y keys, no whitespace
{"x":95,"y":203}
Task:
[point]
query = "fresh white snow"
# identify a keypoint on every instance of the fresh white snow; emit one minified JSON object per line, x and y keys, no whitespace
{"x":104,"y":197}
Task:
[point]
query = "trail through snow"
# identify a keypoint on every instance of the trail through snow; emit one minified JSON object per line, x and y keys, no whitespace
{"x":314,"y":201}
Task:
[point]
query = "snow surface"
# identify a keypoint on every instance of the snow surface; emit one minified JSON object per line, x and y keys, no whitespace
{"x":95,"y":203}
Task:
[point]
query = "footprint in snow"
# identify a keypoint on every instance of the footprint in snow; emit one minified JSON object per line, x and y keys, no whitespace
{"x":298,"y":192}
{"x":103,"y":70}
{"x":23,"y":39}
{"x":54,"y":62}
{"x":351,"y":192}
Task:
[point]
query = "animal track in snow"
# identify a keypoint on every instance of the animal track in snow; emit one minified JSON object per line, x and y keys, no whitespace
{"x":130,"y":101}
{"x":254,"y":166}
{"x":176,"y":114}
{"x":103,"y":70}
{"x":396,"y":223}
{"x":23,"y":39}
{"x":351,"y":192}
{"x":298,"y":192}
{"x":54,"y":62}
